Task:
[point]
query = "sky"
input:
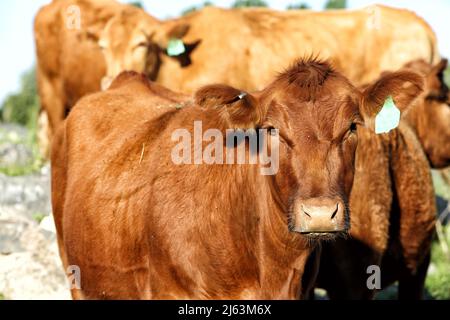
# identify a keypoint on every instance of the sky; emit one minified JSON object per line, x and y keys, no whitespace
{"x":17,"y":51}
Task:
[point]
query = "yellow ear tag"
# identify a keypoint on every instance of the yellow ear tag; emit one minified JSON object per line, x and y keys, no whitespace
{"x":175,"y":47}
{"x":388,"y":118}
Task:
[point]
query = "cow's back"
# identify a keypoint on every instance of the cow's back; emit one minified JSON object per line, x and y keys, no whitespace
{"x":397,"y":36}
{"x":260,"y":43}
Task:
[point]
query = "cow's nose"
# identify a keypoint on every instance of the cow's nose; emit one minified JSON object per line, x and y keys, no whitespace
{"x":321,"y":215}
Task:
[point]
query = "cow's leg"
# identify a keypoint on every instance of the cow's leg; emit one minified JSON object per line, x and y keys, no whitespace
{"x":411,"y":286}
{"x":58,"y":182}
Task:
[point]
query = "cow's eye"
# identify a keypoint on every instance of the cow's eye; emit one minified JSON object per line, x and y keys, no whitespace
{"x":351,"y":131}
{"x":141,"y":45}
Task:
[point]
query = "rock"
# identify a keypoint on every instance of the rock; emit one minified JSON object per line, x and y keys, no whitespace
{"x":48,"y":224}
{"x":13,"y":149}
{"x":12,"y":132}
{"x":12,"y":227}
{"x":30,"y":267}
{"x":29,"y":194}
{"x":15,"y":155}
{"x":24,"y":276}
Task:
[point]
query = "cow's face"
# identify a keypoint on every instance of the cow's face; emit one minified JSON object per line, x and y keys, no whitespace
{"x":126,"y":45}
{"x":430,"y":116}
{"x":317,"y":112}
{"x":137,"y":43}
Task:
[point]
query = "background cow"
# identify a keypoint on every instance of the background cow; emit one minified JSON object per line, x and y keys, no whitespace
{"x":69,"y":62}
{"x":246,"y":47}
{"x":430,"y":117}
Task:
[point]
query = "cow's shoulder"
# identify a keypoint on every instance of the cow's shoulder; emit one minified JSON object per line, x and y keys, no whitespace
{"x":131,"y":80}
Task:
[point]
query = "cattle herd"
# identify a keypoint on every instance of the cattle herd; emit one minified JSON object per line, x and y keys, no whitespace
{"x":117,"y":85}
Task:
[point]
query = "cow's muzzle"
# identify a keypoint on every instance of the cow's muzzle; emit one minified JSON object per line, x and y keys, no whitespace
{"x":320,"y":216}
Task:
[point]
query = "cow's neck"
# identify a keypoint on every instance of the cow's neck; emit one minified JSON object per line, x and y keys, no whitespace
{"x":281,"y":254}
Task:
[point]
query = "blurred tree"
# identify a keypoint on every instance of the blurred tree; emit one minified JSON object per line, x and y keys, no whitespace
{"x":22,"y":107}
{"x":195,"y":8}
{"x":249,"y":3}
{"x":336,"y":4}
{"x":136,"y":3}
{"x":297,"y":6}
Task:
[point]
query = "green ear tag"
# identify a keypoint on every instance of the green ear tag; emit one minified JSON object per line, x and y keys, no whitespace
{"x":175,"y":47}
{"x":388,"y":118}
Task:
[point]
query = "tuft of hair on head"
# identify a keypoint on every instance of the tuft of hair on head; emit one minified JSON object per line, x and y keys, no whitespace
{"x":306,"y":76}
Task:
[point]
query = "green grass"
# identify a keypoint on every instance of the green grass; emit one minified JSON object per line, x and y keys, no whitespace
{"x":30,"y":141}
{"x":441,"y":188}
{"x":38,"y":216}
{"x":438,"y":282}
{"x":2,"y":296}
{"x":447,"y":76}
{"x":20,"y":170}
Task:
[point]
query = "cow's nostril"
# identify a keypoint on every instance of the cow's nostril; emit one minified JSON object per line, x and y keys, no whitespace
{"x":335,"y":211}
{"x":305,"y":212}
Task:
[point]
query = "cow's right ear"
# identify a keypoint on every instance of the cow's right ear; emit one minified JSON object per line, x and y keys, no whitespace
{"x":239,"y":109}
{"x":403,"y":86}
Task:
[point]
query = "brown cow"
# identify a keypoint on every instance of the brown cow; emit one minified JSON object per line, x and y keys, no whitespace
{"x":140,"y":226}
{"x":69,"y":62}
{"x":245,"y":47}
{"x":392,"y":200}
{"x":430,"y":118}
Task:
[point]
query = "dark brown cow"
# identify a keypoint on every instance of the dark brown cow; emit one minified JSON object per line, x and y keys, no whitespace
{"x":140,"y":226}
{"x":392,"y":200}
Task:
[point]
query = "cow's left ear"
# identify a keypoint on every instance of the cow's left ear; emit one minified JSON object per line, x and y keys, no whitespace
{"x":403,"y":86}
{"x":239,"y":109}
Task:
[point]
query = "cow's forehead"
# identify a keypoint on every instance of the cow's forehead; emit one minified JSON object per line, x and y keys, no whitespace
{"x":334,"y":95}
{"x":326,"y":116}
